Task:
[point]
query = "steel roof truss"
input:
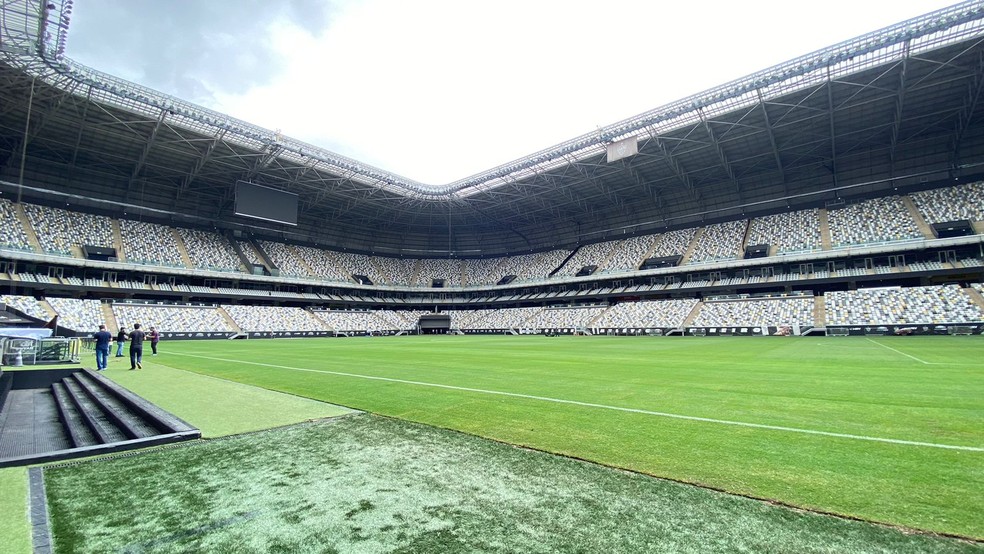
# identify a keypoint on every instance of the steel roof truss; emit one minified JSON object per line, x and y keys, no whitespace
{"x":263,"y":160}
{"x":899,"y":104}
{"x":116,"y":121}
{"x":772,"y":141}
{"x":493,"y":222}
{"x":967,"y":111}
{"x":610,"y":194}
{"x":948,"y":63}
{"x":830,"y":118}
{"x":148,"y":144}
{"x":800,"y":105}
{"x":35,"y":130}
{"x":196,"y":168}
{"x":653,"y":192}
{"x":730,"y":126}
{"x":722,"y":157}
{"x":941,"y":119}
{"x":584,"y":207}
{"x":680,"y":172}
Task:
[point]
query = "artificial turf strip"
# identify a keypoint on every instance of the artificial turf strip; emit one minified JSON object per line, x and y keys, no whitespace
{"x":371,"y":484}
{"x":15,"y":528}
{"x":878,"y":388}
{"x":218,"y":407}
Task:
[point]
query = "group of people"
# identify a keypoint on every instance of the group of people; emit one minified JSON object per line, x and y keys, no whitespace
{"x":136,"y":337}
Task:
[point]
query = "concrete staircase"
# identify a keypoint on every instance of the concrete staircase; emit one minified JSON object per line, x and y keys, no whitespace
{"x":529,"y":319}
{"x":651,"y":250}
{"x":496,"y":272}
{"x":602,"y":264}
{"x":47,"y":307}
{"x":693,"y":314}
{"x":304,"y":265}
{"x":819,"y":311}
{"x":32,"y":237}
{"x":182,"y":249}
{"x":109,"y":317}
{"x":825,"y":242}
{"x":975,"y":296}
{"x":744,"y":239}
{"x":595,"y":319}
{"x":228,"y":319}
{"x":924,"y":227}
{"x":692,"y":246}
{"x":377,"y":267}
{"x":118,"y":240}
{"x":237,"y":247}
{"x":264,"y":256}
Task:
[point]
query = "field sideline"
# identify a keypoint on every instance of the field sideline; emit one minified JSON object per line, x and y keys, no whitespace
{"x":885,"y":429}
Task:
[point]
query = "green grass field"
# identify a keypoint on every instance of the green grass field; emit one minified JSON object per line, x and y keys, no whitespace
{"x":364,"y":483}
{"x":14,"y":526}
{"x":888,"y":430}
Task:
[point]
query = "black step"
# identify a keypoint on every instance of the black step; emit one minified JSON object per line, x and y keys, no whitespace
{"x":75,"y":426}
{"x":92,"y":413}
{"x":162,"y":420}
{"x":34,"y":428}
{"x":131,"y":423}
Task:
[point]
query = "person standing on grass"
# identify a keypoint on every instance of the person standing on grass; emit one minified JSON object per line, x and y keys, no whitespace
{"x":155,"y":337}
{"x":103,"y":340}
{"x":136,"y":346}
{"x":120,"y":339}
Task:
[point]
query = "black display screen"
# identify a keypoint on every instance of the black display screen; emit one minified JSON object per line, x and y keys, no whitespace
{"x":266,"y":203}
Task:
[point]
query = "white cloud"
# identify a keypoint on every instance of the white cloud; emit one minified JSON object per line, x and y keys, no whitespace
{"x":440,"y":90}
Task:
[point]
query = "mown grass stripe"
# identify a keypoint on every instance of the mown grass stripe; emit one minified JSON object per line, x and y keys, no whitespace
{"x":605,"y":406}
{"x":900,"y":352}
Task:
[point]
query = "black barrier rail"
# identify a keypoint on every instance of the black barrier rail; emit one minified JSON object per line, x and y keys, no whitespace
{"x":288,"y":334}
{"x":906,"y":330}
{"x":726,"y":331}
{"x":88,"y":342}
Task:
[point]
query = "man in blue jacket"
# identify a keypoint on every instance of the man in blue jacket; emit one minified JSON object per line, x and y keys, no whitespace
{"x":103,"y":338}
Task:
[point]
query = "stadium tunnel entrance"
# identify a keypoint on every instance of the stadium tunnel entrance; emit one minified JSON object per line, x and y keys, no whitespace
{"x":434,"y":324}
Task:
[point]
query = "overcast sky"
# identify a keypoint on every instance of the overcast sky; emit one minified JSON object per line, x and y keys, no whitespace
{"x":440,"y":90}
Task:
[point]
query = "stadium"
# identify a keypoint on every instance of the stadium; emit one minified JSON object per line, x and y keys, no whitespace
{"x":747,"y":320}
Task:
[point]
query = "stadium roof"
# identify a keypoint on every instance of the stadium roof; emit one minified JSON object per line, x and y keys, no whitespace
{"x":892,"y":108}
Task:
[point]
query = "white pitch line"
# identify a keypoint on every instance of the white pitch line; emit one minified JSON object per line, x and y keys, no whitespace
{"x":602,"y":406}
{"x":900,"y":352}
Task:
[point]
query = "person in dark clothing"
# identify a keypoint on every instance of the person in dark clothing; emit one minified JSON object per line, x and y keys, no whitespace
{"x":120,"y":339}
{"x":155,"y":337}
{"x":103,"y":339}
{"x":136,"y":346}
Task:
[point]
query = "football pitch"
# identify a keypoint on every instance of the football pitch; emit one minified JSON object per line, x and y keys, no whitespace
{"x":881,"y":429}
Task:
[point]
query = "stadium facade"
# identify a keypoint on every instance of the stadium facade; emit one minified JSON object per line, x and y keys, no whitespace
{"x":879,"y":127}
